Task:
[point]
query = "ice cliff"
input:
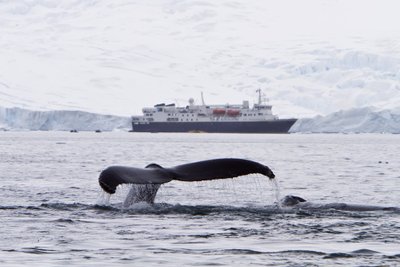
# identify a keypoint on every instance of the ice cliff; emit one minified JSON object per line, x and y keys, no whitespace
{"x":358,"y":120}
{"x":23,"y":119}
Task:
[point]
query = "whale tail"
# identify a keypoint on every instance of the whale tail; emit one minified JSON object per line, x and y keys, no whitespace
{"x":213,"y":169}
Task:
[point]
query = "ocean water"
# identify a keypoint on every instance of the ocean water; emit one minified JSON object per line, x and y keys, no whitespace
{"x":53,"y":212}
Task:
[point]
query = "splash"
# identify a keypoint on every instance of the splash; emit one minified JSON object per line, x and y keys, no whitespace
{"x":141,"y":193}
{"x":103,"y":199}
{"x":206,"y":192}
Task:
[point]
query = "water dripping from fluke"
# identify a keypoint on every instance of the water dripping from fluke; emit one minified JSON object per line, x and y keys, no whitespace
{"x":141,"y":193}
{"x":275,"y":187}
{"x":103,"y":198}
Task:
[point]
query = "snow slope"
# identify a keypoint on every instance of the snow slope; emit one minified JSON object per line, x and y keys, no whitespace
{"x":22,"y":119}
{"x":114,"y":57}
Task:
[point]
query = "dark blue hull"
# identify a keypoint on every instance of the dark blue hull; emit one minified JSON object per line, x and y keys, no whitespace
{"x":276,"y":126}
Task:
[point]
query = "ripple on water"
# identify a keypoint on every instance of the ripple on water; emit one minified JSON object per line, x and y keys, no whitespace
{"x":49,"y":212}
{"x":38,"y":250}
{"x":364,"y":252}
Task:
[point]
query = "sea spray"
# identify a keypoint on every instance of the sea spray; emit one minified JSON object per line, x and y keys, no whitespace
{"x":219,"y":192}
{"x":141,"y":193}
{"x":103,"y":199}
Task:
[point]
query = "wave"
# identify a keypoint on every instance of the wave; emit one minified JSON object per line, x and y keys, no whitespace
{"x":303,"y":209}
{"x":325,"y":255}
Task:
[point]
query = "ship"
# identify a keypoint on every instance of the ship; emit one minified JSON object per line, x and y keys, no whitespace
{"x":226,"y":118}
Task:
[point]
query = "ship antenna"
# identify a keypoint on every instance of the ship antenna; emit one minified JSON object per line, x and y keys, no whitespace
{"x":202,"y":99}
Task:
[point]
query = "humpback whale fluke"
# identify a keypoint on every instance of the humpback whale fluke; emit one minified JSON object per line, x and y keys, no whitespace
{"x":213,"y":169}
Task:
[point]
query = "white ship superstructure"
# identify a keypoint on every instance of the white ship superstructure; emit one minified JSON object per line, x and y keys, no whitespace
{"x":206,"y":113}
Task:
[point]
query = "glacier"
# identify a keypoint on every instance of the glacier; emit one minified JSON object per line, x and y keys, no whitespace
{"x":358,"y":120}
{"x":19,"y":119}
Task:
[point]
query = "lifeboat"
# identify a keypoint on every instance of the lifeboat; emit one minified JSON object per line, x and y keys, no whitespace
{"x":233,"y":112}
{"x":219,"y":111}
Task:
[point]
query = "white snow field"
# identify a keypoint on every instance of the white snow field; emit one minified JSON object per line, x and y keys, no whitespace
{"x":311,"y":57}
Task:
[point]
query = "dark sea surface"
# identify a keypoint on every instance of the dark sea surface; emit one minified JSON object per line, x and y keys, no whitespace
{"x":53,"y":212}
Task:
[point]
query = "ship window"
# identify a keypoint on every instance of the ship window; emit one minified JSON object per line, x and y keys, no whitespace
{"x":245,"y":114}
{"x":260,"y":114}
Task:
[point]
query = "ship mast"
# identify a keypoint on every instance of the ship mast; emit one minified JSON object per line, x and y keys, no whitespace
{"x":202,"y":99}
{"x":259,"y":96}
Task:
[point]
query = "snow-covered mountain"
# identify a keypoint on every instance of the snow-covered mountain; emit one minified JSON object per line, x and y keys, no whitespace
{"x":311,"y":57}
{"x":60,"y":120}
